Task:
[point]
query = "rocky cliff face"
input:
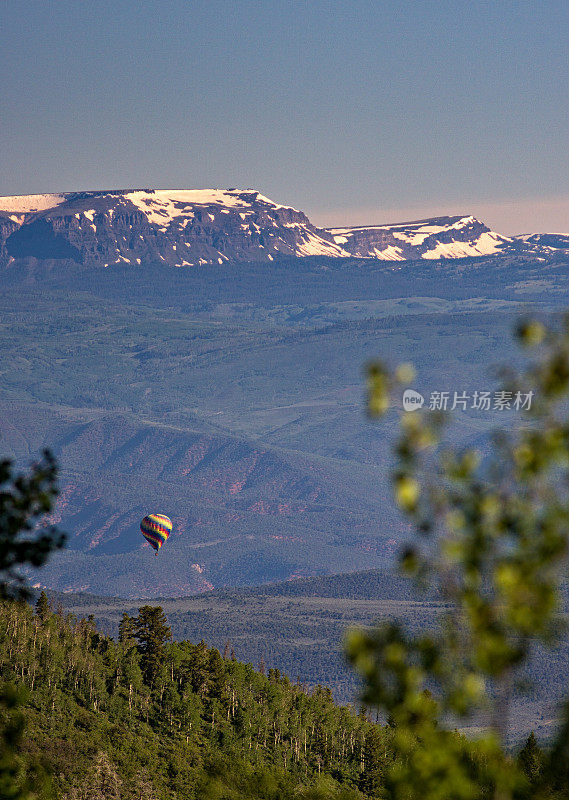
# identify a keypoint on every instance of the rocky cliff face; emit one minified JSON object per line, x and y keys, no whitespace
{"x":7,"y":227}
{"x":189,"y":228}
{"x":178,"y":228}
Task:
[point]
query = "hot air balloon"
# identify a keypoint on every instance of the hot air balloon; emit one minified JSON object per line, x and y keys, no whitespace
{"x":156,"y":528}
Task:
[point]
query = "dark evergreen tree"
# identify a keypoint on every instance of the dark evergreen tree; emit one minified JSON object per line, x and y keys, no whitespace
{"x":194,"y":670}
{"x":152,"y":632}
{"x":127,"y":630}
{"x":216,"y":671}
{"x":371,"y":778}
{"x":531,"y":758}
{"x":43,"y":608}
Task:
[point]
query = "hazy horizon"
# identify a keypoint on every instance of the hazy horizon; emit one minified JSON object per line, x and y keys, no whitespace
{"x":356,"y":113}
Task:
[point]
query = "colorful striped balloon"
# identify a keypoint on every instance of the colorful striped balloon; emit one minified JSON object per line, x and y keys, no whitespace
{"x":156,"y":528}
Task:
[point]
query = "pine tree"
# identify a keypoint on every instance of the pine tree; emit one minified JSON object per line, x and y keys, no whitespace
{"x":43,"y":608}
{"x":530,"y":758}
{"x":216,"y":671}
{"x":371,"y":778}
{"x":195,"y":670}
{"x":127,"y":630}
{"x":152,"y":633}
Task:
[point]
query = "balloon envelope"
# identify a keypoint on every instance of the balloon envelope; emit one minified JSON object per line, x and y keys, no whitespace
{"x":156,"y":528}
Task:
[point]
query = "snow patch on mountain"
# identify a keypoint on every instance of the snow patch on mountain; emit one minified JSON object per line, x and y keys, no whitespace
{"x":30,"y":203}
{"x":312,"y":244}
{"x":160,"y":204}
{"x":485,"y":245}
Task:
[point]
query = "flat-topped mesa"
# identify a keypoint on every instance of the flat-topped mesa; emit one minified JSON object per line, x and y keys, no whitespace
{"x":193,"y":227}
{"x":174,"y":227}
{"x":440,"y":237}
{"x":545,"y":243}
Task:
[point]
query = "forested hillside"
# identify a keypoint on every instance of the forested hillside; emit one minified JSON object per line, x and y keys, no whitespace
{"x":147,"y":718}
{"x":299,"y":627}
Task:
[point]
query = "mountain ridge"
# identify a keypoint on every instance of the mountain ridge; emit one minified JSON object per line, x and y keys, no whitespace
{"x":196,"y":227}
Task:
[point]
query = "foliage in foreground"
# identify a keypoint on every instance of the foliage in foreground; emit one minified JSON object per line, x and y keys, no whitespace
{"x":494,"y":538}
{"x":25,"y":499}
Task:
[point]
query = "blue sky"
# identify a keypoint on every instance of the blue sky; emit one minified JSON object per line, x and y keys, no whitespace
{"x":355,"y":112}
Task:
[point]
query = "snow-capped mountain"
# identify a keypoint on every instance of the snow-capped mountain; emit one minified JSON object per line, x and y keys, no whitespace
{"x":442,"y":237}
{"x":545,"y":243}
{"x":180,"y":228}
{"x":188,"y":228}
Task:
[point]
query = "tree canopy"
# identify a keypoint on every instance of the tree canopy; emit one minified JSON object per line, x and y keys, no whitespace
{"x":25,"y":501}
{"x":492,"y":532}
